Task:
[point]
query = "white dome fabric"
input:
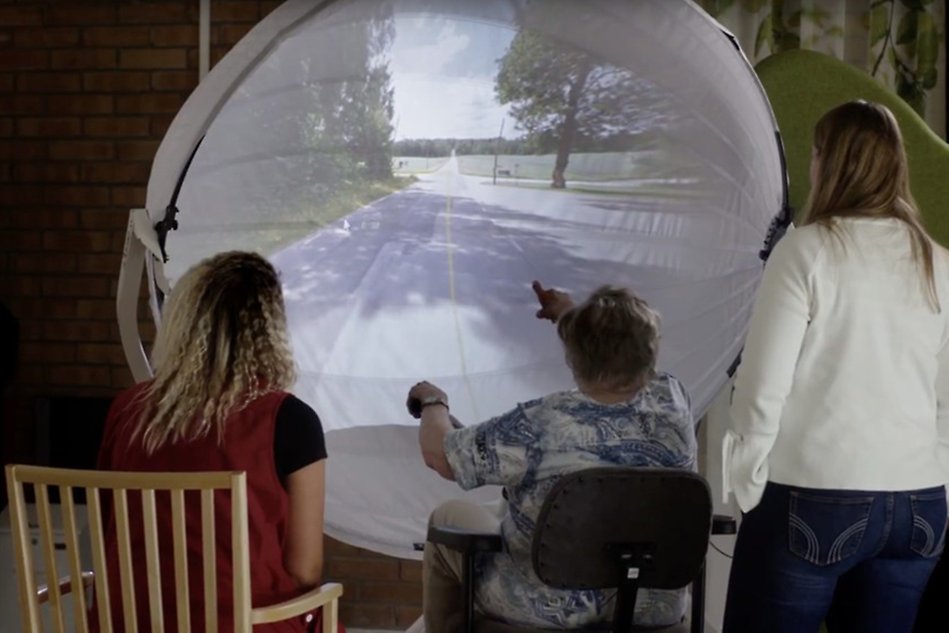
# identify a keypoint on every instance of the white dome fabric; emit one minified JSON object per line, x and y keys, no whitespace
{"x":405,"y":256}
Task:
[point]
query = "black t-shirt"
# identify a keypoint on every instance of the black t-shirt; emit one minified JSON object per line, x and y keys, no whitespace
{"x":298,"y":438}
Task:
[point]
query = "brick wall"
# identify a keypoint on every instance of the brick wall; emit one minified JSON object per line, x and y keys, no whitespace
{"x":87,"y":89}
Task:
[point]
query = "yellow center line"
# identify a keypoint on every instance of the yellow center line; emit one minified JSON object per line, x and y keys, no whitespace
{"x":453,"y":298}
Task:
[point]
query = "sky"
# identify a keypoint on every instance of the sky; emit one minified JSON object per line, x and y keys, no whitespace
{"x":443,"y":71}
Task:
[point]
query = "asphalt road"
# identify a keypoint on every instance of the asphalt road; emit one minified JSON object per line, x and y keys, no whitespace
{"x":433,"y":282}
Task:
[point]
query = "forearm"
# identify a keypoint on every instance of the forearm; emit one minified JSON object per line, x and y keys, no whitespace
{"x":436,"y":423}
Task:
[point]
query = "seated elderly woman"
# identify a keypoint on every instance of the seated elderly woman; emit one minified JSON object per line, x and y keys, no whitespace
{"x":622,"y":413}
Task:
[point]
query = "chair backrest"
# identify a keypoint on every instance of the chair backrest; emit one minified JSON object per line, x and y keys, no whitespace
{"x":590,"y":514}
{"x":120,"y":491}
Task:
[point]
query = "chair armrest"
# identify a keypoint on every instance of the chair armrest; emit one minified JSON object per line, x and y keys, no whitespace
{"x":724,"y":524}
{"x":313,"y":599}
{"x":65,"y":586}
{"x":465,"y":541}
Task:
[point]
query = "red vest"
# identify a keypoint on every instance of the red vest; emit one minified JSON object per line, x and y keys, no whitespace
{"x":248,"y":445}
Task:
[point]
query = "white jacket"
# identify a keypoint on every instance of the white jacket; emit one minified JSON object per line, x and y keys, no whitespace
{"x":844,"y":380}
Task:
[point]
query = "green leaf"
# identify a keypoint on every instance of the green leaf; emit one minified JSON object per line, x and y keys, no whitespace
{"x":794,"y":20}
{"x":928,"y":41}
{"x":716,"y":7}
{"x":913,"y":5}
{"x":906,"y":31}
{"x":765,"y":36}
{"x":879,"y":23}
{"x":753,"y":6}
{"x":929,"y":78}
{"x":788,"y":41}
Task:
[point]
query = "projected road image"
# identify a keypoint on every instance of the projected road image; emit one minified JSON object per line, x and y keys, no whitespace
{"x":410,"y":174}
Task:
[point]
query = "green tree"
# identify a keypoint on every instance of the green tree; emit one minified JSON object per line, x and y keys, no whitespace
{"x":559,"y":95}
{"x":349,"y":126}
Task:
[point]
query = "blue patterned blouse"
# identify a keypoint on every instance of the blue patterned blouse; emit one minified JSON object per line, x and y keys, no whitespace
{"x":527,"y":449}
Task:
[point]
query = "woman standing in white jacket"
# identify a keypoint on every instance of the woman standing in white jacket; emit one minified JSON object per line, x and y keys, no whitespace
{"x":838,"y":451}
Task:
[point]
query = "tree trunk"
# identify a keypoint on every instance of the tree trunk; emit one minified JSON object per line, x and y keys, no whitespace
{"x":568,"y":129}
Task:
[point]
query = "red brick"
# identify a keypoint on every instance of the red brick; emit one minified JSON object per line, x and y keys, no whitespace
{"x":117,"y":81}
{"x":56,"y":127}
{"x":6,"y":38}
{"x":44,"y":218}
{"x":116,"y":126}
{"x":134,"y":150}
{"x":44,"y":263}
{"x":46,"y":172}
{"x":122,"y":377}
{"x":177,"y":35}
{"x":120,"y":172}
{"x":22,"y":194}
{"x":23,"y":104}
{"x":235,"y":12}
{"x":6,"y":128}
{"x":100,"y":309}
{"x":362,"y":568}
{"x":89,"y":58}
{"x":394,"y":593}
{"x":46,"y":37}
{"x":77,"y":241}
{"x":229,"y":34}
{"x":48,"y":82}
{"x":410,"y":570}
{"x":129,"y":198}
{"x":148,"y":103}
{"x":157,"y":12}
{"x":100,"y":353}
{"x":76,"y":286}
{"x":109,"y":220}
{"x":21,"y":16}
{"x":41,"y":352}
{"x":368,"y":616}
{"x":77,"y":196}
{"x":153,"y":58}
{"x":23,"y":59}
{"x":80,"y":104}
{"x":405,"y":616}
{"x":76,"y":13}
{"x":30,"y":375}
{"x":182,"y":80}
{"x":91,"y":376}
{"x":21,"y":241}
{"x":105,"y":36}
{"x":20,"y":286}
{"x":105,"y":263}
{"x":160,"y":124}
{"x":336,"y":548}
{"x":22,"y":150}
{"x":6,"y":82}
{"x":46,"y":307}
{"x":81,"y":150}
{"x":218,"y":53}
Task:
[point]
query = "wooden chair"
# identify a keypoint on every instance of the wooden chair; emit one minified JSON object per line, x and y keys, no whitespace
{"x":126,"y":487}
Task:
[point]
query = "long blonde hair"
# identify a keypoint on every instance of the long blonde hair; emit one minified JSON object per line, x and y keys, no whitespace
{"x":862,"y":171}
{"x":222,"y":343}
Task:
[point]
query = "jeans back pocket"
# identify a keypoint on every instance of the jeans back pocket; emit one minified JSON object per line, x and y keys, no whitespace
{"x":826,"y":529}
{"x":929,"y":523}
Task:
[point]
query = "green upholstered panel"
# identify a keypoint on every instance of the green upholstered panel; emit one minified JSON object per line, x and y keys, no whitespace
{"x":803,"y":85}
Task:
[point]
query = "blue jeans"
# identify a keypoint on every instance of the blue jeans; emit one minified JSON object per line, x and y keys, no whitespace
{"x":858,"y":559}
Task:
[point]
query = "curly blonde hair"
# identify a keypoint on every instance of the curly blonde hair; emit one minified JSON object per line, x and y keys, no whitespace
{"x":222,"y":343}
{"x":611,"y":339}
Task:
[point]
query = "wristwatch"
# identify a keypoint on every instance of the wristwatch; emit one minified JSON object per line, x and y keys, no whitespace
{"x":429,"y":401}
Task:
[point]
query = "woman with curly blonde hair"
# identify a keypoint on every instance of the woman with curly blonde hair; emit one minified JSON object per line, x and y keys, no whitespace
{"x":218,"y":401}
